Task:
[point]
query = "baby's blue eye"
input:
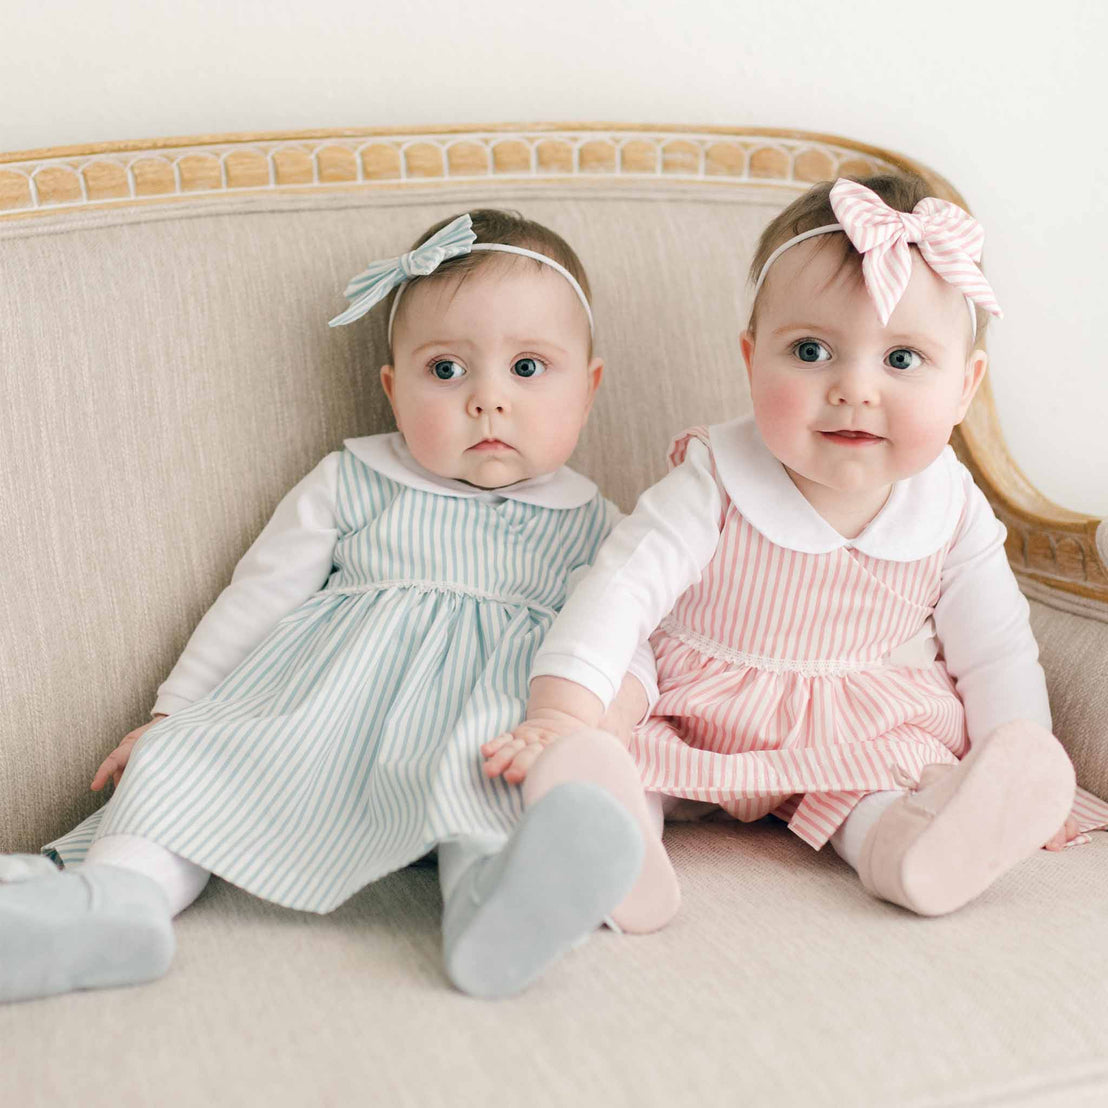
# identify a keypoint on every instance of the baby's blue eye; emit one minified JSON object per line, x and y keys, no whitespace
{"x":904,"y":359}
{"x":528,"y":367}
{"x":808,"y":350}
{"x":446,"y":369}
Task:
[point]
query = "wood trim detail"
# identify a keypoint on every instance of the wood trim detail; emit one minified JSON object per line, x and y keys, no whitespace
{"x":1046,"y":543}
{"x":110,"y":174}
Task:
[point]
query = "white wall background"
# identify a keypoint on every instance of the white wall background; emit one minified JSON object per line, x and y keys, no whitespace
{"x":1004,"y":97}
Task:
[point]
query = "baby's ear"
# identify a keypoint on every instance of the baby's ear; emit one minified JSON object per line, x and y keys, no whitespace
{"x":976,"y":365}
{"x":746,"y":342}
{"x":388,"y":377}
{"x":595,"y":373}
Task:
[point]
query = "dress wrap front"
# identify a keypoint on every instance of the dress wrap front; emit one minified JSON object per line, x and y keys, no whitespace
{"x":784,"y":684}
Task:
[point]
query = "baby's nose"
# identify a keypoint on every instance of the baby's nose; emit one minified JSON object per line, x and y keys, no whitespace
{"x":485,"y":404}
{"x":854,"y":386}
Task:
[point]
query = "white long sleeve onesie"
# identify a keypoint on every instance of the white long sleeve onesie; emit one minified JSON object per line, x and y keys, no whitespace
{"x":291,"y":559}
{"x":656,"y":553}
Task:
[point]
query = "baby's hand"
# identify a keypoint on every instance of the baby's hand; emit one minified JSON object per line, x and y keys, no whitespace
{"x":515,"y":752}
{"x":1062,"y":837}
{"x":113,"y":765}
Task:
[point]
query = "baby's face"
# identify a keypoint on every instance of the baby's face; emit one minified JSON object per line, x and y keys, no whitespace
{"x":491,"y":381}
{"x":849,"y":406}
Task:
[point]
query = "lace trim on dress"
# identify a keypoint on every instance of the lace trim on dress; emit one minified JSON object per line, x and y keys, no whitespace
{"x":446,"y":586}
{"x":805,"y":668}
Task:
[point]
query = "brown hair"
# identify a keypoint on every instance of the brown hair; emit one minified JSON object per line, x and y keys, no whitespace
{"x":509,"y":229}
{"x":900,"y":191}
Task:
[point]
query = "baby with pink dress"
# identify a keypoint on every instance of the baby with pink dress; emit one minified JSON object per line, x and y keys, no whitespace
{"x":840,"y":640}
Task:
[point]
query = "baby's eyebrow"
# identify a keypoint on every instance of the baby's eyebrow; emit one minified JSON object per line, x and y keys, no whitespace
{"x":915,"y":338}
{"x":537,"y":344}
{"x":439,"y":342}
{"x":802,"y":326}
{"x":519,"y":342}
{"x":905,"y":338}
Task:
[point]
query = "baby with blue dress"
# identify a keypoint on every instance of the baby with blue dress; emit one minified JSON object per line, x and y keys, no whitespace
{"x":323,"y":726}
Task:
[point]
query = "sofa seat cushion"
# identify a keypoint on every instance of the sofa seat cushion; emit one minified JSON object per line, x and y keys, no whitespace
{"x":781,"y":981}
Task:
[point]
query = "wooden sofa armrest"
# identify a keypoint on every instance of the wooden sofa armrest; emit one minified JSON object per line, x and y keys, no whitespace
{"x":1048,"y":546}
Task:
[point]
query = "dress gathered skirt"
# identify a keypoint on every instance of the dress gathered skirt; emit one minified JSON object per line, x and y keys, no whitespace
{"x":347,"y":744}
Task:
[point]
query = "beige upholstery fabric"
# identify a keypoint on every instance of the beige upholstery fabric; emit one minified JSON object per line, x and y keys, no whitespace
{"x":173,"y":375}
{"x":1074,"y":653}
{"x":781,"y":983}
{"x":168,"y":374}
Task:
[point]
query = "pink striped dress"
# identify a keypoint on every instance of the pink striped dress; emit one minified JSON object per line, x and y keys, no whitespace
{"x":778,"y":692}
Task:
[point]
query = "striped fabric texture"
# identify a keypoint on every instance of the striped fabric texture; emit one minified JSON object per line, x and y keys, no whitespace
{"x":347,"y":744}
{"x":775,"y":696}
{"x":948,"y":237}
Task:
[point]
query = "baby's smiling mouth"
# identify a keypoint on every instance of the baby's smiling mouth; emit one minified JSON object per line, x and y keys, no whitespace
{"x":851,"y":438}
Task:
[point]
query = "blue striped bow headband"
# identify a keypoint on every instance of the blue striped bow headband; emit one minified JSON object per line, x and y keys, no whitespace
{"x":372,"y":285}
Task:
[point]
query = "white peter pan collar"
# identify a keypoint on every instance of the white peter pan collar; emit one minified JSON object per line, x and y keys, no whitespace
{"x":918,"y":518}
{"x":389,"y":455}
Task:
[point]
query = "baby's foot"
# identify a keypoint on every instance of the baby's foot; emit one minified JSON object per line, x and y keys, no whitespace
{"x":593,"y":755}
{"x":573,"y":858}
{"x":89,"y":928}
{"x":936,"y":849}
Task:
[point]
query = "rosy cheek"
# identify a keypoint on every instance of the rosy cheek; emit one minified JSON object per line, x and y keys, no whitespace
{"x":919,"y":431}
{"x":553,"y":437}
{"x":781,"y":404}
{"x":421,"y":422}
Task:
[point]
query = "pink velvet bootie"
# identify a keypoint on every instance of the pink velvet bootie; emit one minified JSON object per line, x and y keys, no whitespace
{"x":597,"y":756}
{"x":937,"y":848}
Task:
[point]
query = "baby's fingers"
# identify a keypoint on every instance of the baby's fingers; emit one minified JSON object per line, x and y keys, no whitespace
{"x":1059,"y":840}
{"x":100,"y":779}
{"x":493,"y":745}
{"x":522,"y":763}
{"x":502,"y":757}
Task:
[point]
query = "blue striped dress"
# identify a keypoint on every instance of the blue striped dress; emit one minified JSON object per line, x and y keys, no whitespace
{"x":346,"y":745}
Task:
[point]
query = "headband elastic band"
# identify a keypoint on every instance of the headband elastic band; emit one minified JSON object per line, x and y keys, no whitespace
{"x":828,"y":229}
{"x":948,"y":238}
{"x":373,"y":284}
{"x":503,"y":248}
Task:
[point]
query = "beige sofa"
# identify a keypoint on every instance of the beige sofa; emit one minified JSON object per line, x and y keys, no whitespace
{"x":168,"y":373}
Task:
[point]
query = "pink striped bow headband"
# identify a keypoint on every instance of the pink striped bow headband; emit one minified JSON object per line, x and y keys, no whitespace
{"x":948,"y":238}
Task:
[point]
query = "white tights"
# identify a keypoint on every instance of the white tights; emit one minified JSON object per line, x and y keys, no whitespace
{"x":183,"y":881}
{"x":852,"y":832}
{"x":180,"y":880}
